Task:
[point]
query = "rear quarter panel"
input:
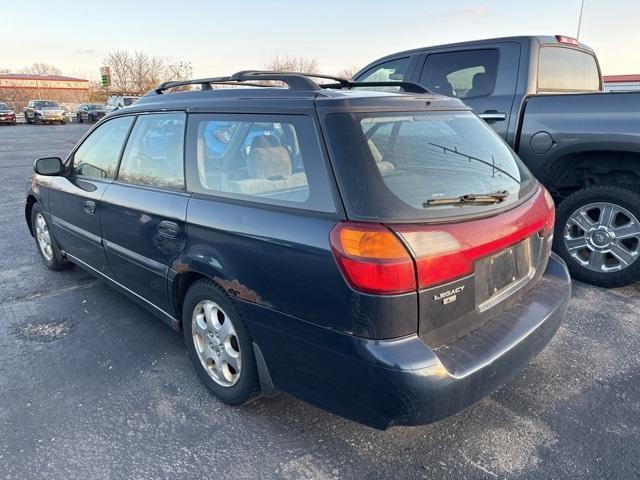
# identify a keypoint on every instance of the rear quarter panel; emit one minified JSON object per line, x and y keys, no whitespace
{"x":574,"y":123}
{"x":282,"y":261}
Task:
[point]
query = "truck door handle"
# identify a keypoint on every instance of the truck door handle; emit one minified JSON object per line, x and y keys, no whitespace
{"x":90,"y":207}
{"x":492,"y":116}
{"x":168,"y":229}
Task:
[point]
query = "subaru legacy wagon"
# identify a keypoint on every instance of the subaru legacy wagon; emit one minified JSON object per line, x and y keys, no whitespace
{"x":383,"y":255}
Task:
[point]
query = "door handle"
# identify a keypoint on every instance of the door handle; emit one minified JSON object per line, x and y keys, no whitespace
{"x":492,"y":116}
{"x":168,"y":229}
{"x":90,"y":207}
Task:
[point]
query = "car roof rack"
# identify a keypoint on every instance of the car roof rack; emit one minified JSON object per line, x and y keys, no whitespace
{"x":294,"y":80}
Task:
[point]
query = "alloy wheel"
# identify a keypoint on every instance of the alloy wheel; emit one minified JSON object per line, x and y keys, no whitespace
{"x":216,"y":343}
{"x":43,"y":237}
{"x":603,"y":237}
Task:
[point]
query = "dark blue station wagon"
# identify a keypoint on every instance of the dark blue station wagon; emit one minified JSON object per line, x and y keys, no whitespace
{"x":382,"y":255}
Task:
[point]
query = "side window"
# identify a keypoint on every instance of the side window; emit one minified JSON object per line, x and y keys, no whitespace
{"x":263,"y":158}
{"x":97,"y":157}
{"x":393,"y":70}
{"x":154,"y":152}
{"x":466,"y":74}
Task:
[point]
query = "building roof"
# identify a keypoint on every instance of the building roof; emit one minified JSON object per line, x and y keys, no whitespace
{"x":621,"y":78}
{"x":31,"y":76}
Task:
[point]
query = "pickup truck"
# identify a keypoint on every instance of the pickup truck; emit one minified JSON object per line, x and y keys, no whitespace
{"x":44,"y":111}
{"x":544,"y":96}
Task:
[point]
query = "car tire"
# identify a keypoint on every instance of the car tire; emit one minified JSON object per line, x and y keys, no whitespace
{"x":26,"y":119}
{"x":51,"y":257}
{"x":80,"y":119}
{"x":216,"y":336}
{"x":597,"y":234}
{"x":37,"y":120}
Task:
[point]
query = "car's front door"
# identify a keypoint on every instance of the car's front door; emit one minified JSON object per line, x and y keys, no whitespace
{"x":74,"y":199}
{"x":144,"y":210}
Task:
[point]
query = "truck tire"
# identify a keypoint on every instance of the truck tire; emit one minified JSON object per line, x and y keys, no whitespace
{"x":597,"y":233}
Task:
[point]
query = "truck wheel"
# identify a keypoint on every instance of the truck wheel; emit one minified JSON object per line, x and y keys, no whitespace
{"x":597,"y":234}
{"x":219,"y":344}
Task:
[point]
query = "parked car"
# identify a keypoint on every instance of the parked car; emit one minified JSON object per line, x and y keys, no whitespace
{"x":384,"y":256}
{"x":90,"y":112}
{"x":544,"y":96}
{"x":44,"y":111}
{"x":7,"y":115}
{"x":116,"y":102}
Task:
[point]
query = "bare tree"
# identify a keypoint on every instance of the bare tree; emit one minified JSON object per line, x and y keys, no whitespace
{"x":348,"y":72}
{"x":139,"y":72}
{"x":291,"y":63}
{"x":180,"y":71}
{"x":119,"y":62}
{"x":41,"y":69}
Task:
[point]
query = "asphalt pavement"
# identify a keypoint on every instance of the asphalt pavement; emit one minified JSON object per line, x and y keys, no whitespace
{"x":94,"y":387}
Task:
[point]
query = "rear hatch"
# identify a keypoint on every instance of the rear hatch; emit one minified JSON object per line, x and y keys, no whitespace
{"x":474,"y":223}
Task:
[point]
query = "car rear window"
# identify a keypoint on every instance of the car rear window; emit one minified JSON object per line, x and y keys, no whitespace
{"x":562,"y":69}
{"x":392,"y":166}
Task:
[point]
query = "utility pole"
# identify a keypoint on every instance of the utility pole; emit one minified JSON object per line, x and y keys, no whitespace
{"x":580,"y":19}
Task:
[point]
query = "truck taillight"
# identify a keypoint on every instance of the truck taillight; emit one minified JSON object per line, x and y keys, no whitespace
{"x":567,"y":40}
{"x":388,"y":260}
{"x":372,"y":258}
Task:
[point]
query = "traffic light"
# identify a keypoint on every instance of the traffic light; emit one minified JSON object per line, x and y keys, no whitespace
{"x":105,"y":76}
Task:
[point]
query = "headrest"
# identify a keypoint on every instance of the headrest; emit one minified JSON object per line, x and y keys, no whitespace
{"x":262,"y":141}
{"x":482,"y":83}
{"x":267,"y":159}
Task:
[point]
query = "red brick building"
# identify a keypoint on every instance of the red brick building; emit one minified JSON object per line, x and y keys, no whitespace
{"x":621,"y":83}
{"x":17,"y":89}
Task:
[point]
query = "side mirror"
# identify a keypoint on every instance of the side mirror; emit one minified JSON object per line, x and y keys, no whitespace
{"x":50,"y":166}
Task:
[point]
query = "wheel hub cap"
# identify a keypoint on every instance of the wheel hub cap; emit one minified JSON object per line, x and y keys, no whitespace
{"x":603,"y":237}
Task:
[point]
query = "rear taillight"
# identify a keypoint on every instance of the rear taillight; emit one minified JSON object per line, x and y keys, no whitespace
{"x":449,"y":251}
{"x":372,"y":258}
{"x":375,"y":260}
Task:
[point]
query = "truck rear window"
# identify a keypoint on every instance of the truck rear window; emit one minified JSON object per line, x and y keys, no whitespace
{"x":392,"y":166}
{"x":562,"y":69}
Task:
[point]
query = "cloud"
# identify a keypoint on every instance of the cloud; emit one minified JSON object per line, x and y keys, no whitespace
{"x":85,"y":51}
{"x":474,"y":11}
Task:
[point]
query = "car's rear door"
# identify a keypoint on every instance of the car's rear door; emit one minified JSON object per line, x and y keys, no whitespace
{"x":483,"y":76}
{"x":75,"y":199}
{"x":144,"y":209}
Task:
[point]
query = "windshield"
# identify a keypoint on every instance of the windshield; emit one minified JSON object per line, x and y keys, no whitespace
{"x":94,"y":106}
{"x":129,"y":101}
{"x":393,"y":166}
{"x":46,"y":103}
{"x":4,"y":106}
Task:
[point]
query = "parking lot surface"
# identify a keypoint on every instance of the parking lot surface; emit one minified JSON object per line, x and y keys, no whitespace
{"x":94,"y":387}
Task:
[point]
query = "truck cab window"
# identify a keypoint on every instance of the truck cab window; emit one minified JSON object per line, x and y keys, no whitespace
{"x":467,"y":74}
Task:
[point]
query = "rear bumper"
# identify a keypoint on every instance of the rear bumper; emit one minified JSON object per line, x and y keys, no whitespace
{"x":403,"y":381}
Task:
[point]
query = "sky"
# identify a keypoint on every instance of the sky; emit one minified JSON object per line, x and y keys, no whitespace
{"x":220,"y":37}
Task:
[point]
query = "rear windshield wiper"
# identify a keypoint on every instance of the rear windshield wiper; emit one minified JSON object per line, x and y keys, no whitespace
{"x":491,"y":164}
{"x":473,"y":198}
